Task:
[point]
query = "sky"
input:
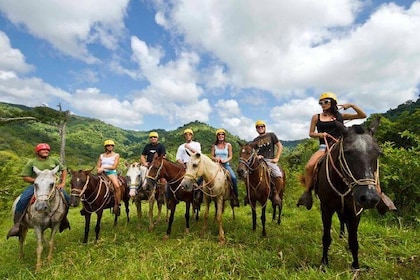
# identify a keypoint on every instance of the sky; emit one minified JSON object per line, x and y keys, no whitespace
{"x":159,"y":64}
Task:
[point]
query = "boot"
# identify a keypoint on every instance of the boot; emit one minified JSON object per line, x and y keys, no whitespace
{"x":246,"y":200}
{"x":306,"y":200}
{"x":234,"y":202}
{"x":275,"y":187}
{"x":65,"y":224}
{"x":15,"y":230}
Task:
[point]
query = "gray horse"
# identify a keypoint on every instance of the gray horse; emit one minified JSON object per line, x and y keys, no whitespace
{"x":46,"y":212}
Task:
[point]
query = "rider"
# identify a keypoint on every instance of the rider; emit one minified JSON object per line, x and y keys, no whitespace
{"x":182,"y":156}
{"x":42,"y":162}
{"x":221,"y":152}
{"x":107,"y":163}
{"x":323,"y":126}
{"x":270,"y":148}
{"x":149,"y":151}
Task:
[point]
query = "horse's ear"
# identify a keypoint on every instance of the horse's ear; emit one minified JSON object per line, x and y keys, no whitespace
{"x":344,"y":130}
{"x":239,"y":143}
{"x":56,"y":169}
{"x":188,"y":151}
{"x":126,"y":163}
{"x":36,"y":170}
{"x":374,"y":125}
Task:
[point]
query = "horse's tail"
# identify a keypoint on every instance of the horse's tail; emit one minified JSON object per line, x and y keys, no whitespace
{"x":301,"y":179}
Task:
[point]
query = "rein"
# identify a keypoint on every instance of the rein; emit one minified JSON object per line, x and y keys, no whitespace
{"x":90,"y":202}
{"x":207,"y":183}
{"x":349,"y":180}
{"x":251,"y":161}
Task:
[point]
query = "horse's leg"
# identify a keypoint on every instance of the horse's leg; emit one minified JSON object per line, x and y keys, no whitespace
{"x":127,"y":208}
{"x":39,"y":248}
{"x":220,"y":205}
{"x":51,"y":242}
{"x":264,"y":233}
{"x":22,"y":237}
{"x":187,"y":217}
{"x":151,"y":204}
{"x":352,"y":225}
{"x":280,"y":210}
{"x":98,"y":224}
{"x":87,"y":226}
{"x":326,"y":237}
{"x":159,"y":211}
{"x":172,"y":206}
{"x":274,"y":212}
{"x":137,"y":201}
{"x":341,"y":218}
{"x":207,"y":202}
{"x":253,"y":205}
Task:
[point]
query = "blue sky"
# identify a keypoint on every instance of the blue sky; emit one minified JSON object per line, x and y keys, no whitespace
{"x":144,"y":65}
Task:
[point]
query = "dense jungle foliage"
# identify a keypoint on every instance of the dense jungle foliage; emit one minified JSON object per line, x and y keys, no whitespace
{"x":398,"y":135}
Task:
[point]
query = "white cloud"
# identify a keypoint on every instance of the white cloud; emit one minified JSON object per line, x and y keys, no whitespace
{"x":12,"y":59}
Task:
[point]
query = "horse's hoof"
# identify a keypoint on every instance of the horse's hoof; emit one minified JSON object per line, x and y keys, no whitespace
{"x":165,"y":237}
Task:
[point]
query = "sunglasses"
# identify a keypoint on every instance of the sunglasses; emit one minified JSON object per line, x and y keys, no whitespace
{"x":260,"y":126}
{"x":152,"y":137}
{"x":220,"y":134}
{"x":324,"y":102}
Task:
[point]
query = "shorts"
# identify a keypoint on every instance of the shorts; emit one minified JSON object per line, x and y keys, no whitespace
{"x":322,"y":147}
{"x":111,"y":172}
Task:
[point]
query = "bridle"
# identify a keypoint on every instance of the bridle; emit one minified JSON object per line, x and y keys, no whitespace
{"x":81,"y":194}
{"x":346,"y":175}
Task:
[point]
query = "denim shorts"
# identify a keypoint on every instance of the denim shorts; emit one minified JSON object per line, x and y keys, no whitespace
{"x":111,"y":172}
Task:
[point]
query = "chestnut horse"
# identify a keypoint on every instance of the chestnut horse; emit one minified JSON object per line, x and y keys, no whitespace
{"x":96,"y":195}
{"x":215,"y":187}
{"x":346,"y":183}
{"x":136,"y":174}
{"x":173,"y":173}
{"x":47,"y":212}
{"x":256,"y":175}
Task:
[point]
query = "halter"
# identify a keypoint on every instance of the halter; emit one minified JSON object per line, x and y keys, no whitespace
{"x":349,"y":180}
{"x":86,"y":199}
{"x":49,"y":197}
{"x":248,"y":164}
{"x":206,"y":184}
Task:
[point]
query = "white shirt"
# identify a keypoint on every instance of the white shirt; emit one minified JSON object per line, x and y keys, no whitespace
{"x":182,"y":155}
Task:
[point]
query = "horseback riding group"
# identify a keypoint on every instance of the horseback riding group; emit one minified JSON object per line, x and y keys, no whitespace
{"x":344,"y":172}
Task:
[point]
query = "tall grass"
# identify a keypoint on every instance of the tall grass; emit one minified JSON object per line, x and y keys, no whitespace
{"x":388,"y":248}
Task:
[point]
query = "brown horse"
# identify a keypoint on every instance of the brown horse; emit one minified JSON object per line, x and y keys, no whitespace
{"x":345,"y":183}
{"x":173,"y":173}
{"x":256,"y":175}
{"x":95,"y":193}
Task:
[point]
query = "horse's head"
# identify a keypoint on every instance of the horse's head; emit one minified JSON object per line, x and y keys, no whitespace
{"x":192,"y":172}
{"x":77,"y":183}
{"x":153,"y":173}
{"x":247,"y":156}
{"x":44,"y":187}
{"x":359,"y":153}
{"x":135,"y":177}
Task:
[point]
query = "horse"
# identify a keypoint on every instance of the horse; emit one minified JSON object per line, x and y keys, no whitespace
{"x":345,"y":183}
{"x":96,"y":195}
{"x":215,"y":187}
{"x":46,"y":212}
{"x":173,"y":173}
{"x":256,"y":175}
{"x":135,"y":175}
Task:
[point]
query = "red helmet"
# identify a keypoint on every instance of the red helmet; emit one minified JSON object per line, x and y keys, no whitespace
{"x":42,"y":146}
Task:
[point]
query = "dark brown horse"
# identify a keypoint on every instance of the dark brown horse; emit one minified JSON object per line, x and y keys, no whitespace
{"x":256,"y":176}
{"x":173,"y":173}
{"x":345,"y":183}
{"x":95,"y":193}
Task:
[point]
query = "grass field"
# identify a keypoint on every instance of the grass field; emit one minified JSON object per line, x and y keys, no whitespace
{"x":389,"y":249}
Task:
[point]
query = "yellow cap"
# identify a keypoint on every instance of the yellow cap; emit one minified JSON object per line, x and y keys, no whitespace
{"x":109,"y":142}
{"x":153,"y":134}
{"x":327,"y":94}
{"x":188,"y":130}
{"x":259,"y":122}
{"x":220,"y":130}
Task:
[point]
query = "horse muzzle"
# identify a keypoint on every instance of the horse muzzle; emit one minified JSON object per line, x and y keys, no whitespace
{"x":366,"y":196}
{"x":187,"y":185}
{"x":41,"y":206}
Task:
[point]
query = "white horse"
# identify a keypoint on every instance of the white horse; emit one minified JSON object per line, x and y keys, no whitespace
{"x":136,"y":175}
{"x":47,"y":212}
{"x":215,"y":186}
